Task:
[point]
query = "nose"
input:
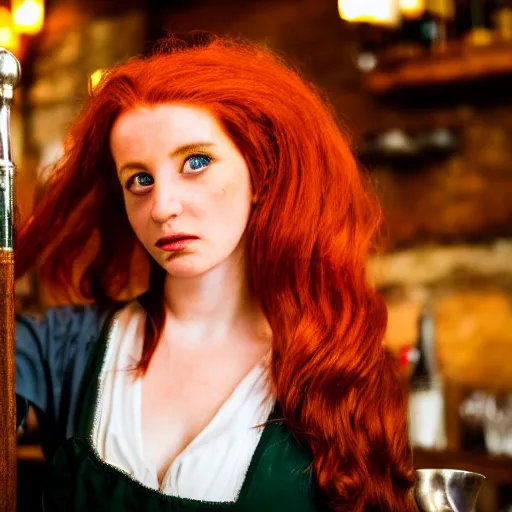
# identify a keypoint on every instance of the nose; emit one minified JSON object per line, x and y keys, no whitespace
{"x":166,"y":203}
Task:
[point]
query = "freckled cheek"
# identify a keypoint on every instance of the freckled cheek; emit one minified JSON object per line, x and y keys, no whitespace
{"x":229,"y":206}
{"x":231,"y":193}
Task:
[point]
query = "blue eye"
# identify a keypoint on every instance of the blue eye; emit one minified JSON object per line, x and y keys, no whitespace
{"x":196,"y":163}
{"x":139,"y":181}
{"x":144,"y":180}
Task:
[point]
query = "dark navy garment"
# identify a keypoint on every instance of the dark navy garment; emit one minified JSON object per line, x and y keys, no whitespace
{"x":51,"y":354}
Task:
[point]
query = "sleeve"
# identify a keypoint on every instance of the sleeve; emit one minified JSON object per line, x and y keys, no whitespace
{"x":45,"y":348}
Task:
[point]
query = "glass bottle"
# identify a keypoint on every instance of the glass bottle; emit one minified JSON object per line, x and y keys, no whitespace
{"x":426,"y":397}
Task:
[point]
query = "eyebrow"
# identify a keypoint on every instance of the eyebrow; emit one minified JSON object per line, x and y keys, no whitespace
{"x":179,"y":151}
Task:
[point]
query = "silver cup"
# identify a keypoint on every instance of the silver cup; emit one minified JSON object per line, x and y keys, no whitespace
{"x":447,"y":490}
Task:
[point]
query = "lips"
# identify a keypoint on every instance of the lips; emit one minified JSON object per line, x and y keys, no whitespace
{"x":175,"y":242}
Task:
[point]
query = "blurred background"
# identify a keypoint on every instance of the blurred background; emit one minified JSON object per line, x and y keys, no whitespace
{"x":424,"y":87}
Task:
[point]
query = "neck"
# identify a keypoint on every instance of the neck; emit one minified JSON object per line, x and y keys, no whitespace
{"x":212,"y":305}
{"x":218,"y":294}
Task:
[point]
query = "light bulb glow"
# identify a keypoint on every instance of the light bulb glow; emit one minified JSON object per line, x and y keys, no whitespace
{"x":28,"y":16}
{"x":8,"y":37}
{"x":443,"y":8}
{"x":95,"y":78}
{"x":412,"y":8}
{"x":379,"y":12}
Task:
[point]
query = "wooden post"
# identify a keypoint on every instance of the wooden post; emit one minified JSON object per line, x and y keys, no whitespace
{"x":9,"y":78}
{"x":8,"y":488}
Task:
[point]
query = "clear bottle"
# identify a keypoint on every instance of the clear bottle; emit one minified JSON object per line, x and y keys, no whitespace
{"x":438,"y":23}
{"x":426,"y":396}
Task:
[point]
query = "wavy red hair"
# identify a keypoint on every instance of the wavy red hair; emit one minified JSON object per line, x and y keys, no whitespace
{"x":309,"y":238}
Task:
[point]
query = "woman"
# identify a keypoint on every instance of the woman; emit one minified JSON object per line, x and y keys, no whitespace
{"x":250,"y":375}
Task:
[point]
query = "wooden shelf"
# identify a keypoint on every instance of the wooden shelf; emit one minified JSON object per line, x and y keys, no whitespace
{"x":497,"y":469}
{"x":458,"y":64}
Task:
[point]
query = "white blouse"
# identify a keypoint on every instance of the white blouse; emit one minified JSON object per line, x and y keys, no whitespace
{"x":213,"y":466}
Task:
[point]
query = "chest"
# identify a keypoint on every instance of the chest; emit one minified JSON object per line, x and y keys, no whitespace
{"x":182,"y":392}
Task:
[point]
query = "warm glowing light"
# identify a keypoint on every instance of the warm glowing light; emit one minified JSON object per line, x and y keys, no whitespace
{"x":380,"y":12}
{"x":95,"y":78}
{"x":8,"y":37}
{"x":28,"y":16}
{"x":480,"y":36}
{"x":412,"y":8}
{"x":443,"y":8}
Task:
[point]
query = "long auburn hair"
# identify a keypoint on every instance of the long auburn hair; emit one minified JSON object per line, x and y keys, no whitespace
{"x":309,"y":237}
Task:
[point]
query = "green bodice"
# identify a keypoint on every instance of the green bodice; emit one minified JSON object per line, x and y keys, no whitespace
{"x":279,"y":478}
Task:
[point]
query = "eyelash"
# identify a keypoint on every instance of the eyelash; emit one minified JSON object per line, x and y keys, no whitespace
{"x":132,"y":179}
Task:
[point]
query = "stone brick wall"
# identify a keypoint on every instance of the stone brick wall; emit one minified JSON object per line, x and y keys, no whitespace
{"x":471,"y":289}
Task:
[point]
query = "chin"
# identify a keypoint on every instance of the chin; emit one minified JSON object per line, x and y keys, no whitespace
{"x":183,"y":274}
{"x":184,"y":268}
{"x":196,"y":265}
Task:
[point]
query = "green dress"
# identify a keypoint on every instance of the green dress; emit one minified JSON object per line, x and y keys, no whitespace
{"x":279,"y":477}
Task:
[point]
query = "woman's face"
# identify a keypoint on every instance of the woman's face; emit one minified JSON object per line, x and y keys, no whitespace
{"x":187,"y":188}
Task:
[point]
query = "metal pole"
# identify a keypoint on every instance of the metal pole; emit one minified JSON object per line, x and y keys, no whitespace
{"x":9,"y":78}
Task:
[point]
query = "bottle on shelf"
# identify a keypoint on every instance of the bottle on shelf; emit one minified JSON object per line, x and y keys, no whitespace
{"x":426,"y":395}
{"x":428,"y":23}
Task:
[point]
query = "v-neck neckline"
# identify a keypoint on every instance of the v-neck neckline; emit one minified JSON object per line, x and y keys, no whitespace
{"x":87,"y":423}
{"x":247,"y":380}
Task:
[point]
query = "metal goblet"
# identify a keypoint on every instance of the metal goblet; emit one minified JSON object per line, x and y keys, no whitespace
{"x":447,"y":490}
